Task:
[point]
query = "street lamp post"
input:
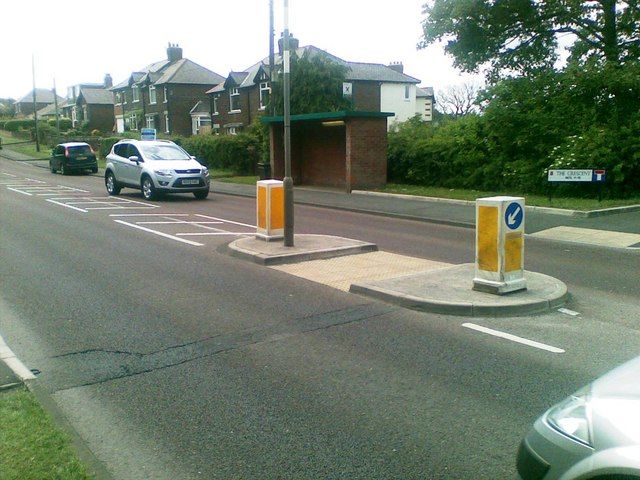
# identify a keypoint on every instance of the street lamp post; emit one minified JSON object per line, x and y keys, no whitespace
{"x":288,"y":181}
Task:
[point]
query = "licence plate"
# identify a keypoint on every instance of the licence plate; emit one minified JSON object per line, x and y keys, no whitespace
{"x":190,"y":181}
{"x":81,"y":157}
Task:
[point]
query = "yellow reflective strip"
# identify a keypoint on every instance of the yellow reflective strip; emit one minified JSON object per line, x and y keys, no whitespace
{"x":262,"y":207}
{"x":487,"y":243}
{"x":513,"y":251}
{"x":277,"y":208}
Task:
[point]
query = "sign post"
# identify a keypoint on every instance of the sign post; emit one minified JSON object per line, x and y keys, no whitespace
{"x":499,"y":245}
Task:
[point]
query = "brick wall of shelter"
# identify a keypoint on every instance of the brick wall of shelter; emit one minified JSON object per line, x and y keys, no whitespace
{"x":366,"y":153}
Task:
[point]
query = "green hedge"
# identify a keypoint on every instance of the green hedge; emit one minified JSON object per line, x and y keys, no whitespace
{"x":65,"y":124}
{"x":15,"y":125}
{"x":239,"y":153}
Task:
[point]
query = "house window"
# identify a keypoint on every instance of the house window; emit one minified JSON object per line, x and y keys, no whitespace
{"x":215,"y":104}
{"x":133,"y":122}
{"x":232,"y":131}
{"x":151,"y":122}
{"x":135,"y":93}
{"x":152,"y":95}
{"x":234,"y":100}
{"x":166,"y":122}
{"x":265,"y":93}
{"x":166,"y":94}
{"x":118,"y":98}
{"x":407,"y":90}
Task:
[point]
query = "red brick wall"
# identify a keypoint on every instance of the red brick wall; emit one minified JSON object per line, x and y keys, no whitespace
{"x":366,"y":153}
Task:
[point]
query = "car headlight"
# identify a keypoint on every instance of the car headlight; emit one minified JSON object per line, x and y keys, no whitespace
{"x":205,"y":171}
{"x":572,"y":417}
{"x":163,"y":173}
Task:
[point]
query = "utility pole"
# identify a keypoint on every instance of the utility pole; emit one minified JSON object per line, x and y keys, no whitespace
{"x":55,"y":102}
{"x":288,"y":181}
{"x":35,"y":113}
{"x":272,"y":107}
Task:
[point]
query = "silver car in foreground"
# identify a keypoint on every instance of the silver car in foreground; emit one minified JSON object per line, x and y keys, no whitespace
{"x":155,"y":167}
{"x":593,"y":434}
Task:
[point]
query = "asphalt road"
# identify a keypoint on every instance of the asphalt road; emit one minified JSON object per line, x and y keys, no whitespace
{"x":177,"y":361}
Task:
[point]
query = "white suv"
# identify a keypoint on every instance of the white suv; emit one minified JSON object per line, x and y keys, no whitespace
{"x":155,"y":167}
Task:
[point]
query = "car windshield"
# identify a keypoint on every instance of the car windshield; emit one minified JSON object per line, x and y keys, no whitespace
{"x":164,"y":152}
{"x":79,"y":150}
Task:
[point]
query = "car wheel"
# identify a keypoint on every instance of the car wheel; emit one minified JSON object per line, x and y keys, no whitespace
{"x":201,"y":195}
{"x":112,"y":186}
{"x":63,"y":171}
{"x":94,"y":170}
{"x":148,"y":189}
{"x":53,"y":170}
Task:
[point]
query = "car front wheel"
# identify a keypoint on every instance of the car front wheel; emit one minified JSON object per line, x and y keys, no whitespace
{"x":148,"y":189}
{"x":201,"y":195}
{"x":63,"y":170}
{"x":112,"y":186}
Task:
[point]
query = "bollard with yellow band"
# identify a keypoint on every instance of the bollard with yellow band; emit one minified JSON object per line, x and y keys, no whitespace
{"x":270,"y":210}
{"x":499,"y":245}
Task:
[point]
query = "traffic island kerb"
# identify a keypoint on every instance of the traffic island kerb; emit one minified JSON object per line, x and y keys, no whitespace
{"x":449,"y":291}
{"x":306,"y":247}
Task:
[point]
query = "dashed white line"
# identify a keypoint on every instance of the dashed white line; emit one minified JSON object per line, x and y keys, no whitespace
{"x":227,"y":221}
{"x":566,"y":311}
{"x":211,"y":233}
{"x":20,"y":191}
{"x":66,"y":205}
{"x":172,"y":237}
{"x":513,"y":338}
{"x":149,"y":214}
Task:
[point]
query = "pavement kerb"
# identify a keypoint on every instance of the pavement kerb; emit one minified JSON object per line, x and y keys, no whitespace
{"x":95,"y":467}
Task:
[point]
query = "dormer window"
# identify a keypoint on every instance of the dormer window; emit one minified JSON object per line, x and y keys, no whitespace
{"x":234,"y":100}
{"x":152,"y":94}
{"x":135,"y":93}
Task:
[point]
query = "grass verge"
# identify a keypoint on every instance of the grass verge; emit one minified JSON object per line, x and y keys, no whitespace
{"x":32,"y":447}
{"x":531,"y":200}
{"x":29,"y":149}
{"x":244,"y":180}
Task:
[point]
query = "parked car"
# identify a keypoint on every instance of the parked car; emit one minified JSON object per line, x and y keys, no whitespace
{"x":594,"y":434}
{"x":155,"y":167}
{"x":73,"y":156}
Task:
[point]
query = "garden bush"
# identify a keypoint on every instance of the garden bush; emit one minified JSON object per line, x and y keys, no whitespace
{"x":238,"y":153}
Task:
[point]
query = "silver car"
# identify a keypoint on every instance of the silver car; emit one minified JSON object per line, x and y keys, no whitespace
{"x":593,"y":434}
{"x":155,"y":167}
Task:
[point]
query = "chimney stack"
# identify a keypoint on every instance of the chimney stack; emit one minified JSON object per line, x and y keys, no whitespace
{"x":174,"y":53}
{"x":397,"y":66}
{"x":108,"y":81}
{"x":293,"y":43}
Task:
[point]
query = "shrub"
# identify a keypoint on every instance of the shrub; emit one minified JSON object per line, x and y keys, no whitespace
{"x":106,"y":144}
{"x":65,"y":124}
{"x":238,"y":153}
{"x":16,"y":125}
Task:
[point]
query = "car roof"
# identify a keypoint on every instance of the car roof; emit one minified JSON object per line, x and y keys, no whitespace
{"x":74,"y":144}
{"x":146,"y":142}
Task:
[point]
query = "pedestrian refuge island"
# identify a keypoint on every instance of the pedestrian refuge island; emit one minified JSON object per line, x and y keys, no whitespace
{"x":270,"y":210}
{"x":499,"y":265}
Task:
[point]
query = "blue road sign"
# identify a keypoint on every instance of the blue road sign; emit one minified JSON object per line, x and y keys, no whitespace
{"x":513,"y":215}
{"x":147,"y":134}
{"x":599,"y":176}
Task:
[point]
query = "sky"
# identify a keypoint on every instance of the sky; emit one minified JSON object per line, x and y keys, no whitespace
{"x":79,"y":41}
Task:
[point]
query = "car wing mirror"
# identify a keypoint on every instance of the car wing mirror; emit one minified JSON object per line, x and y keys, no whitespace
{"x":134,"y":158}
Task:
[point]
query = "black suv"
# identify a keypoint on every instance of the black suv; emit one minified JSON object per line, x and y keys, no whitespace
{"x":73,"y":156}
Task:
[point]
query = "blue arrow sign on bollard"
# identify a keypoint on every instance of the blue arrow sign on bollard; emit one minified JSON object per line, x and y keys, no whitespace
{"x":513,"y":215}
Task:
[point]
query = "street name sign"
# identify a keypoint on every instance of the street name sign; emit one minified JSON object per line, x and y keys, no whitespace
{"x":591,"y":176}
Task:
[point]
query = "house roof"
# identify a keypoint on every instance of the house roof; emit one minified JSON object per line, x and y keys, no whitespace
{"x":356,"y":70}
{"x":424,"y":92}
{"x":96,"y":96}
{"x":135,"y":77}
{"x":42,"y":96}
{"x":186,"y":71}
{"x":200,"y":108}
{"x":48,"y":111}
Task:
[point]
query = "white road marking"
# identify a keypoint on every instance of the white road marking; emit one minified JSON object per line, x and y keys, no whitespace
{"x":211,"y":233}
{"x":8,"y":174}
{"x":20,"y":191}
{"x":66,"y":205}
{"x":568,"y":312}
{"x":226,"y":221}
{"x":149,"y":214}
{"x":172,"y":237}
{"x":7,"y":355}
{"x":513,"y":338}
{"x":178,"y":221}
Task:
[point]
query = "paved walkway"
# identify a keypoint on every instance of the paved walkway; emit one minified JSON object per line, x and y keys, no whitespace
{"x":438,"y":211}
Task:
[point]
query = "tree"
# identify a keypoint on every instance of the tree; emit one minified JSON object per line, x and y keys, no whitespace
{"x":458,"y":100}
{"x":316,"y":85}
{"x":522,"y":35}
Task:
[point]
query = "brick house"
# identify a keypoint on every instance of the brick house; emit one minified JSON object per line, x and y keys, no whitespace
{"x":244,"y":95}
{"x":162,"y":94}
{"x":91,"y":103}
{"x":44,"y":97}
